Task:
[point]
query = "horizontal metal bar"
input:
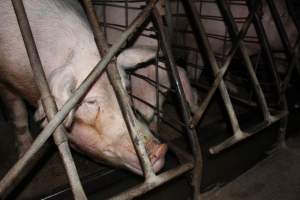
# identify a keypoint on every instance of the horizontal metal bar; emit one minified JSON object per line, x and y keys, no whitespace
{"x":242,"y":135}
{"x":78,"y":94}
{"x":154,"y":182}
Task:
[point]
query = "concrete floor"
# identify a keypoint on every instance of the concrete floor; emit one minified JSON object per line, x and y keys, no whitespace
{"x":275,"y":178}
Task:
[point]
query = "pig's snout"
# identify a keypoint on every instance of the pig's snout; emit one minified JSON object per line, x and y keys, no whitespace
{"x":156,"y":152}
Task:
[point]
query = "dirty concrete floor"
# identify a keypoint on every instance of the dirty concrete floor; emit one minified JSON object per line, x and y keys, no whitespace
{"x":275,"y":178}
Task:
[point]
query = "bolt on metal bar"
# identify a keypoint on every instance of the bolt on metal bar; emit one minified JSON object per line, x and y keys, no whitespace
{"x":48,"y":103}
{"x":121,"y":93}
{"x":24,"y":165}
{"x":191,"y":132}
{"x":233,"y":31}
{"x":236,"y":43}
{"x":203,"y":44}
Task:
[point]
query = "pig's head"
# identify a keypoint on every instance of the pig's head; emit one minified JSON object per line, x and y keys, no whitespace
{"x":96,"y":127}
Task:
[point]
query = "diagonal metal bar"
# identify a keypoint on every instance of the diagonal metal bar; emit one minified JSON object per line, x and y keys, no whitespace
{"x":204,"y":46}
{"x":120,"y":91}
{"x":25,"y":164}
{"x":279,"y":25}
{"x":292,"y":65}
{"x":233,"y":31}
{"x":237,"y":41}
{"x":191,"y":132}
{"x":48,"y":102}
{"x":263,"y":38}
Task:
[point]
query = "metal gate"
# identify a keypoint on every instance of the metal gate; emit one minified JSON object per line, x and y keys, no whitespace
{"x":160,"y":18}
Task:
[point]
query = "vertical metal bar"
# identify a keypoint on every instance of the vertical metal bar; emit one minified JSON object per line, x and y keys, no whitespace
{"x":203,"y":44}
{"x":49,"y":104}
{"x":193,"y":139}
{"x":121,"y":94}
{"x":233,"y":31}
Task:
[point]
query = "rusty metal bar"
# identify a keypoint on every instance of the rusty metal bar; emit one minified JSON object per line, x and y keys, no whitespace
{"x":233,"y":31}
{"x":236,"y":43}
{"x":23,"y":166}
{"x":48,"y":103}
{"x":120,"y":91}
{"x":191,"y":132}
{"x":154,"y":182}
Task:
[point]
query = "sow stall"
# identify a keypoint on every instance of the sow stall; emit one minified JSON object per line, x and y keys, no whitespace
{"x":156,"y":22}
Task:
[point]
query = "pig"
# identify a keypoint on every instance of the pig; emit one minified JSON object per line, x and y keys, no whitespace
{"x":143,"y":90}
{"x":68,"y":53}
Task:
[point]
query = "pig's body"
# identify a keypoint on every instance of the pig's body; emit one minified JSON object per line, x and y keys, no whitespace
{"x":143,"y":90}
{"x":68,"y":53}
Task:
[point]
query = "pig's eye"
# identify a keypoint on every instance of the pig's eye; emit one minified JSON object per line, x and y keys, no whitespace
{"x":94,"y":101}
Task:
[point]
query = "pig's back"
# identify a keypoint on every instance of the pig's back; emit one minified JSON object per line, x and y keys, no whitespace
{"x":60,"y":33}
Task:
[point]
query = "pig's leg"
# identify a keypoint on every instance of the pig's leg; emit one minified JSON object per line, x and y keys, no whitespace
{"x":190,"y":93}
{"x":17,"y":113}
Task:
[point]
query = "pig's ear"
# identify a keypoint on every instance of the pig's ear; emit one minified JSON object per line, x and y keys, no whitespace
{"x":62,"y":84}
{"x":131,"y":57}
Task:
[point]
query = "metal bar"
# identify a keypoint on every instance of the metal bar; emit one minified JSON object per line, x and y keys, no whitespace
{"x":236,"y":43}
{"x":235,"y":139}
{"x":292,"y":66}
{"x":282,"y":33}
{"x":273,"y":68}
{"x":48,"y":103}
{"x":23,"y":166}
{"x":204,"y":46}
{"x":120,"y":91}
{"x":191,"y":132}
{"x":154,"y":182}
{"x":233,"y":31}
{"x":263,"y":38}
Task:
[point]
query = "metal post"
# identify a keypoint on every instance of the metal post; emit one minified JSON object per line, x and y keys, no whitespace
{"x":48,"y":103}
{"x":24,"y":165}
{"x":191,"y":132}
{"x":120,"y":91}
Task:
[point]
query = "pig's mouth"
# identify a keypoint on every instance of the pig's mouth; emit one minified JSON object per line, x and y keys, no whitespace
{"x":136,"y":168}
{"x":157,"y":159}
